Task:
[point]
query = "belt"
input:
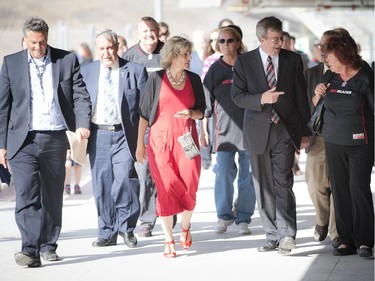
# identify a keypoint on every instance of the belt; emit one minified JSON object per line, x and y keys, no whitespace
{"x":113,"y":128}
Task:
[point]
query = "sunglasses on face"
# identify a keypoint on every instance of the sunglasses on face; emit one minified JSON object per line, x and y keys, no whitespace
{"x":229,"y":41}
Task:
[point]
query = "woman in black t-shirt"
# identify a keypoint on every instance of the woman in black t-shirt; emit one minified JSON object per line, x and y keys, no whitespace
{"x":348,"y":133}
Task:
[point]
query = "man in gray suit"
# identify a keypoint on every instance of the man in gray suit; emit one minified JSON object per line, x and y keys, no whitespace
{"x":269,"y":83}
{"x":42,"y":94}
{"x":115,"y":86}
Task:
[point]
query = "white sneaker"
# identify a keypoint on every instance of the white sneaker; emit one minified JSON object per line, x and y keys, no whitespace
{"x":3,"y":186}
{"x":286,"y":245}
{"x":222,"y":225}
{"x":243,"y":228}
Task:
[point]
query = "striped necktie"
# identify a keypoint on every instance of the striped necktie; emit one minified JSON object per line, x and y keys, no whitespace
{"x":271,"y":80}
{"x":110,"y":113}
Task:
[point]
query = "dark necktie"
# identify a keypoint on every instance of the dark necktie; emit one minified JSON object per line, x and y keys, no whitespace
{"x":271,"y":80}
{"x":109,"y":99}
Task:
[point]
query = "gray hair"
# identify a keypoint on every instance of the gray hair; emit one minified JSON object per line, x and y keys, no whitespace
{"x":174,"y":46}
{"x":35,"y":24}
{"x":267,"y":23}
{"x":109,"y":35}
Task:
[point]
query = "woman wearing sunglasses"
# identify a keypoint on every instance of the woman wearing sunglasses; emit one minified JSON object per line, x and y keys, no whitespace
{"x":227,"y":137}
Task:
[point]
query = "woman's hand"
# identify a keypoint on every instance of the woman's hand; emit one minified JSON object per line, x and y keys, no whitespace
{"x":320,"y":90}
{"x":203,"y":139}
{"x":184,"y":114}
{"x":140,"y":153}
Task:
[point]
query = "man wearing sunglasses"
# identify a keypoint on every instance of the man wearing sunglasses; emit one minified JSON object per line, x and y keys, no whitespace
{"x":269,"y":83}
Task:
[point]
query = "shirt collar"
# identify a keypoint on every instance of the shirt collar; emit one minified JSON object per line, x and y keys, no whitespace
{"x":264,"y":55}
{"x":46,"y":59}
{"x":114,"y":67}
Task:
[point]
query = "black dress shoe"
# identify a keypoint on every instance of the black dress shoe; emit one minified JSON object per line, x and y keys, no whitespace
{"x":100,"y":242}
{"x":336,"y":242}
{"x":365,"y":252}
{"x":50,"y":256}
{"x":129,"y":239}
{"x":345,"y":251}
{"x":270,"y":245}
{"x":26,"y":259}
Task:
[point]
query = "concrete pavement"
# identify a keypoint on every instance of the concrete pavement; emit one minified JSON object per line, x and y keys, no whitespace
{"x":212,"y":256}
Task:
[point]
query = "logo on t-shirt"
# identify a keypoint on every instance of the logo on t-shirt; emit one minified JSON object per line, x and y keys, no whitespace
{"x":336,"y":91}
{"x":227,"y":81}
{"x":359,"y":136}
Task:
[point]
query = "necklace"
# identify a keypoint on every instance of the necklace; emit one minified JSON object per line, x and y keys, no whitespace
{"x":182,"y":78}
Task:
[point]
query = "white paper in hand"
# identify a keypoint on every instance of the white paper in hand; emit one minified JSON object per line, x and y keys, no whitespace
{"x":77,"y":148}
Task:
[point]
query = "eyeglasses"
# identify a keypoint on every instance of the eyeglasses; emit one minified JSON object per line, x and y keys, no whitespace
{"x":276,"y":40}
{"x":229,"y":41}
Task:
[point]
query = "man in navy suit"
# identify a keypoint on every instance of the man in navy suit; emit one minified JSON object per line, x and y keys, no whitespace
{"x":275,"y":124}
{"x":42,"y":94}
{"x":115,"y":86}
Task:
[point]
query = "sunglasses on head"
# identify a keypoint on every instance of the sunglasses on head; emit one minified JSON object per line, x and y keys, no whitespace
{"x":229,"y":41}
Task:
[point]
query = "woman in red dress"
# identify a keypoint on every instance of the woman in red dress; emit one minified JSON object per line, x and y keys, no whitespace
{"x":172,"y":100}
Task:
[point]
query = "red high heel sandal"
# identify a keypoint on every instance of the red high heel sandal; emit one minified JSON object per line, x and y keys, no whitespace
{"x":170,"y":254}
{"x":186,"y":244}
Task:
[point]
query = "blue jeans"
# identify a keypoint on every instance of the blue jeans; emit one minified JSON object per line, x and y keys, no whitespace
{"x":226,"y":173}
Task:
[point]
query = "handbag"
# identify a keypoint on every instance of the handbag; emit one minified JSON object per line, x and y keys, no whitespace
{"x":188,"y":145}
{"x":316,"y":120}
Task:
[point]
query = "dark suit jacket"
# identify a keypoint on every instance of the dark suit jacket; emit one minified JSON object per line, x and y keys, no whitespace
{"x":15,"y":93}
{"x":249,"y":82}
{"x":313,"y":77}
{"x":132,"y":80}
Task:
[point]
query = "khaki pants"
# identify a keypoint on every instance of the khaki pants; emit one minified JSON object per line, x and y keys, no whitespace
{"x":316,"y":176}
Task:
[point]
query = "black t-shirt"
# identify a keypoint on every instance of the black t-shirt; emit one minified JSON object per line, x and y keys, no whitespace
{"x":227,"y":132}
{"x":150,"y":61}
{"x":349,"y":109}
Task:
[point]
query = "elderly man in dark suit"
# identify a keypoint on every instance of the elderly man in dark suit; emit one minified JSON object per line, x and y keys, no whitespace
{"x":115,"y":86}
{"x":42,"y":94}
{"x":269,"y":83}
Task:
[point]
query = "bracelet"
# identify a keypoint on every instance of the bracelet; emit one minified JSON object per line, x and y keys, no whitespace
{"x":190,"y":114}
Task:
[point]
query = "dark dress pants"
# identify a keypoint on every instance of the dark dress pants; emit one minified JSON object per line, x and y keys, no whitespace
{"x":38,"y":170}
{"x":350,"y":175}
{"x":115,"y":183}
{"x":273,"y":183}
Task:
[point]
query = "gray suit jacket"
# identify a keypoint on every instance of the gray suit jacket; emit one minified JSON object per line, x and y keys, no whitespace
{"x":15,"y":93}
{"x":132,"y":80}
{"x":249,"y":82}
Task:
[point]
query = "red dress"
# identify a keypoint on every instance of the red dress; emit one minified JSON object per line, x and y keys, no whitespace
{"x":176,"y":177}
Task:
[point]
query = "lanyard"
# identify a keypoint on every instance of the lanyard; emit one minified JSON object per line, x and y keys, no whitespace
{"x":40,"y":69}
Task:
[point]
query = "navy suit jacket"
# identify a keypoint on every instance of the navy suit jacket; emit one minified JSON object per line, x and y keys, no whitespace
{"x":132,"y":80}
{"x":15,"y":94}
{"x":250,"y":82}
